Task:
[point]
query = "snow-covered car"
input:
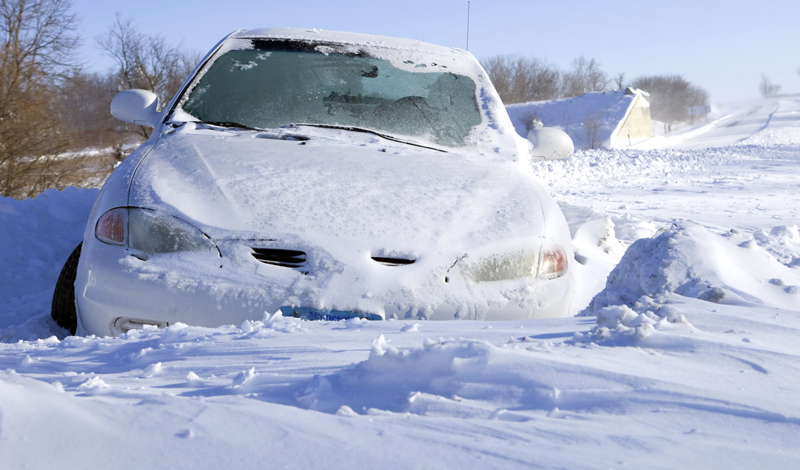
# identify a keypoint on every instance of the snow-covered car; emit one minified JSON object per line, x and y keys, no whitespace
{"x":323,"y":175}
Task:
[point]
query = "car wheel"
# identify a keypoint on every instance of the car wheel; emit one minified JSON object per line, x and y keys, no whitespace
{"x":63,"y":307}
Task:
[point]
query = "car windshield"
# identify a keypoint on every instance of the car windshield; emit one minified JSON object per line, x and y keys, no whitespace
{"x":273,"y":86}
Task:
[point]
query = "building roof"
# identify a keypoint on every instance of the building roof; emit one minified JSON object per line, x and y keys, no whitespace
{"x":604,"y":111}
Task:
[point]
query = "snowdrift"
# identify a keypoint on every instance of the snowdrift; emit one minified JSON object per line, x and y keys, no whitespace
{"x":37,"y":237}
{"x":693,"y":262}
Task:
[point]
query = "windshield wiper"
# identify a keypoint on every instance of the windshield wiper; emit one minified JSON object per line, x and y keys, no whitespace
{"x":367,"y":131}
{"x":263,"y":133}
{"x":231,"y":124}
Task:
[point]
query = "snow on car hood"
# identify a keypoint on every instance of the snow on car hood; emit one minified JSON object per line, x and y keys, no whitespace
{"x":339,"y":190}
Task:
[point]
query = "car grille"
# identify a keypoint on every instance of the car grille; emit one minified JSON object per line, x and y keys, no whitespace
{"x":393,"y":261}
{"x":296,"y":259}
{"x":278,"y":257}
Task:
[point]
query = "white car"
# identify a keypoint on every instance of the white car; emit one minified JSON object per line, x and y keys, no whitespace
{"x":327,"y":176}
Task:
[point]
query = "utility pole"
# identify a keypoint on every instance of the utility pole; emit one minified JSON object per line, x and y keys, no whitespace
{"x":468,"y":25}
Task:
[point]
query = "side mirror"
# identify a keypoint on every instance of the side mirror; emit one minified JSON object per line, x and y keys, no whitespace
{"x":136,"y":107}
{"x":550,"y":143}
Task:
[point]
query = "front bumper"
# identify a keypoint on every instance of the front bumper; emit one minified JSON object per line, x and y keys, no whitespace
{"x":116,"y":291}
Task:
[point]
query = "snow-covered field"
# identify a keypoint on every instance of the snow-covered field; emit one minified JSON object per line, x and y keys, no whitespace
{"x":684,"y":353}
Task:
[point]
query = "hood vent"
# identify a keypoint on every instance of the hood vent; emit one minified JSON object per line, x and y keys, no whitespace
{"x":278,"y":257}
{"x":393,"y":261}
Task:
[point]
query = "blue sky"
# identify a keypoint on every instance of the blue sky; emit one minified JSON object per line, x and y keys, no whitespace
{"x":723,"y":46}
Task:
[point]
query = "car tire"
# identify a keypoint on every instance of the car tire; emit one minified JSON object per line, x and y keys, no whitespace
{"x":63,"y":307}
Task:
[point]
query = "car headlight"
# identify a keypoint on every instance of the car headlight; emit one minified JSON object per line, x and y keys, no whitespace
{"x":513,"y":265}
{"x":553,"y":263}
{"x":549,"y":263}
{"x":150,"y":232}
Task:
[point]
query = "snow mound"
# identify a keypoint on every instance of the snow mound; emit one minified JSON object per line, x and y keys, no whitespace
{"x":693,"y":262}
{"x":783,"y":242}
{"x":645,"y":326}
{"x":455,"y":377}
{"x":37,"y":237}
{"x":393,"y":379}
{"x":599,"y":240}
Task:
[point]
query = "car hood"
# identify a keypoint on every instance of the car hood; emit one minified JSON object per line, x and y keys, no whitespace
{"x":340,"y":191}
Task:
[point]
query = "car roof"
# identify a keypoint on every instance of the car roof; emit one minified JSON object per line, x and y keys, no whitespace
{"x":315,"y":35}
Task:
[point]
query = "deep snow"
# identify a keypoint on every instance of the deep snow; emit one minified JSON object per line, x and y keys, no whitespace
{"x":684,"y":354}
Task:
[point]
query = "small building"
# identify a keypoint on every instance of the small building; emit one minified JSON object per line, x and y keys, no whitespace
{"x":608,"y":119}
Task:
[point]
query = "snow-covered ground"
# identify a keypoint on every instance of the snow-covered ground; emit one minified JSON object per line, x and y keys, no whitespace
{"x":726,"y":125}
{"x":685,"y":353}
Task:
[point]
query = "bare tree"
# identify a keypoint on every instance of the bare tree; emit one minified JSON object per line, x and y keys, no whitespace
{"x":585,"y":77}
{"x":671,"y":96}
{"x":145,"y":61}
{"x":619,"y":81}
{"x":767,"y":88}
{"x":535,"y":80}
{"x":593,"y":130}
{"x":522,"y":79}
{"x":500,"y":70}
{"x":84,"y":99}
{"x":36,"y":50}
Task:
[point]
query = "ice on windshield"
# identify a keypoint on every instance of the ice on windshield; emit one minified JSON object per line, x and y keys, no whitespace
{"x":270,"y":89}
